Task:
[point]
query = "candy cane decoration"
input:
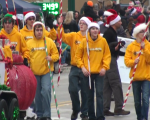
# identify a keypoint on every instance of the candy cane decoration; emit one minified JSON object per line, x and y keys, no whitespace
{"x":1,"y":17}
{"x":88,"y":54}
{"x":52,"y":80}
{"x":16,"y":14}
{"x":60,"y":44}
{"x":125,"y":101}
{"x":7,"y":6}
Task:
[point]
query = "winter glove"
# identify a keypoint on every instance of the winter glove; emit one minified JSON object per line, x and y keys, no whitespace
{"x":121,"y":44}
{"x":25,"y":62}
{"x":50,"y":20}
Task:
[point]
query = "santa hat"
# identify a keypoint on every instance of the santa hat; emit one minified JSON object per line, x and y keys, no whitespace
{"x":111,"y":20}
{"x":90,"y":3}
{"x":138,"y":28}
{"x":28,"y":14}
{"x":36,"y":23}
{"x":85,"y":19}
{"x":110,"y":12}
{"x":133,"y":10}
{"x":141,"y":19}
{"x":93,"y":24}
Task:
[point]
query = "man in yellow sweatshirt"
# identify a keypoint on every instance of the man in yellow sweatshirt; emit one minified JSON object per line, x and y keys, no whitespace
{"x":141,"y":80}
{"x":39,"y":66}
{"x":73,"y":39}
{"x":27,"y":31}
{"x":15,"y":37}
{"x":100,"y":57}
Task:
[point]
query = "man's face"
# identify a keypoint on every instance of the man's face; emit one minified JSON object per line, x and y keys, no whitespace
{"x":94,"y":31}
{"x":76,"y":15}
{"x":30,"y":21}
{"x":105,"y":19}
{"x":8,"y":25}
{"x":83,"y":26}
{"x":118,"y":24}
{"x":38,"y":32}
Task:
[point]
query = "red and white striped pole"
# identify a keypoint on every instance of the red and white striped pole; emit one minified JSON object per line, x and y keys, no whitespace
{"x":60,"y":44}
{"x":7,"y":6}
{"x":127,"y":94}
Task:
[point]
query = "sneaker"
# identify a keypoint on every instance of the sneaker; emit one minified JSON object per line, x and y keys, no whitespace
{"x":108,"y":113}
{"x":74,"y":115}
{"x":121,"y":112}
{"x":85,"y":118}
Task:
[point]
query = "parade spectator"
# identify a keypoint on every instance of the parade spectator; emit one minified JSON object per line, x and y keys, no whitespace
{"x":39,"y":66}
{"x":97,"y":47}
{"x":112,"y":81}
{"x":123,"y":19}
{"x":100,"y":13}
{"x":141,"y":80}
{"x":15,"y":37}
{"x":76,"y":16}
{"x":105,"y":26}
{"x":73,"y":39}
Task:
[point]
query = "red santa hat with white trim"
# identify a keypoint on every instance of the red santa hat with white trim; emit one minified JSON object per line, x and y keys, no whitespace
{"x":28,"y":14}
{"x":110,"y":12}
{"x":113,"y":19}
{"x":139,"y":27}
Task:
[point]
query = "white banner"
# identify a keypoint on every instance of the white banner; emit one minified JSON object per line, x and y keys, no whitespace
{"x":2,"y":72}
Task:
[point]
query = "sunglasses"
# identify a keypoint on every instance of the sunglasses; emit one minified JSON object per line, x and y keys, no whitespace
{"x":31,"y":18}
{"x":7,"y":21}
{"x":142,"y":31}
{"x":82,"y":24}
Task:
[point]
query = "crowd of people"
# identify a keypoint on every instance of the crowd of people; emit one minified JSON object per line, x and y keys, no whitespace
{"x":93,"y":57}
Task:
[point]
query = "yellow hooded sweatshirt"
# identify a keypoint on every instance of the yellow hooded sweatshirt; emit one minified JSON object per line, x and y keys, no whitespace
{"x":16,"y":37}
{"x":28,"y":34}
{"x":100,"y":56}
{"x":7,"y":52}
{"x":38,"y":62}
{"x":143,"y":67}
{"x":16,"y":27}
{"x":72,"y":39}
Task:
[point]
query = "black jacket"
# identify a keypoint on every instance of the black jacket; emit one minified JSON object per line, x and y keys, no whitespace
{"x":111,"y":36}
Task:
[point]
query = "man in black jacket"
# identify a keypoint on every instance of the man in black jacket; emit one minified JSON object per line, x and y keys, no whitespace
{"x":112,"y":81}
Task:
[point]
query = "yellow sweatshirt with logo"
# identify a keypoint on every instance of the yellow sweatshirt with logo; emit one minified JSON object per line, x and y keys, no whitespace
{"x":100,"y":56}
{"x":7,"y":52}
{"x":72,"y":39}
{"x":16,"y":37}
{"x":28,"y":34}
{"x":38,"y":63}
{"x":143,"y":67}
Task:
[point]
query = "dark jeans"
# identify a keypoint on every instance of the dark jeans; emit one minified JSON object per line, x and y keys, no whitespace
{"x":99,"y":96}
{"x":141,"y":98}
{"x":75,"y":76}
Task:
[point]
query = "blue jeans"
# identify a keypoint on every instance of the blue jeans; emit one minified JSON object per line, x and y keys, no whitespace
{"x":43,"y":95}
{"x":63,"y":59}
{"x":99,"y":96}
{"x":75,"y":76}
{"x":141,"y":98}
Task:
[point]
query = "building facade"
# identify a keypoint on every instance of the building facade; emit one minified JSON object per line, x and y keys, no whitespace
{"x":79,"y":3}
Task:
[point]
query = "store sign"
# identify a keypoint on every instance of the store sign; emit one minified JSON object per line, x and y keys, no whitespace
{"x":52,"y":7}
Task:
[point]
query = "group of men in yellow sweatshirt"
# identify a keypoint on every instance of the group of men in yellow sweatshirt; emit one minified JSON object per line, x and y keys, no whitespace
{"x":30,"y":45}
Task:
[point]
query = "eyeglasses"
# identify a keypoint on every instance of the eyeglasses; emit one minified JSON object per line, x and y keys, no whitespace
{"x":82,"y":24}
{"x":7,"y":21}
{"x":31,"y":18}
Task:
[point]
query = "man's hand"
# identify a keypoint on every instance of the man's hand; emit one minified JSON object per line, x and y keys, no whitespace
{"x":48,"y":58}
{"x":102,"y":72}
{"x":142,"y":45}
{"x":85,"y":72}
{"x":136,"y":61}
{"x":117,"y":47}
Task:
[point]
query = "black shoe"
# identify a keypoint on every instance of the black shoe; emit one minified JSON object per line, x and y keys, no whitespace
{"x":45,"y":118}
{"x":121,"y":112}
{"x":85,"y":118}
{"x":37,"y":118}
{"x":101,"y":119}
{"x":108,"y":113}
{"x":74,"y":115}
